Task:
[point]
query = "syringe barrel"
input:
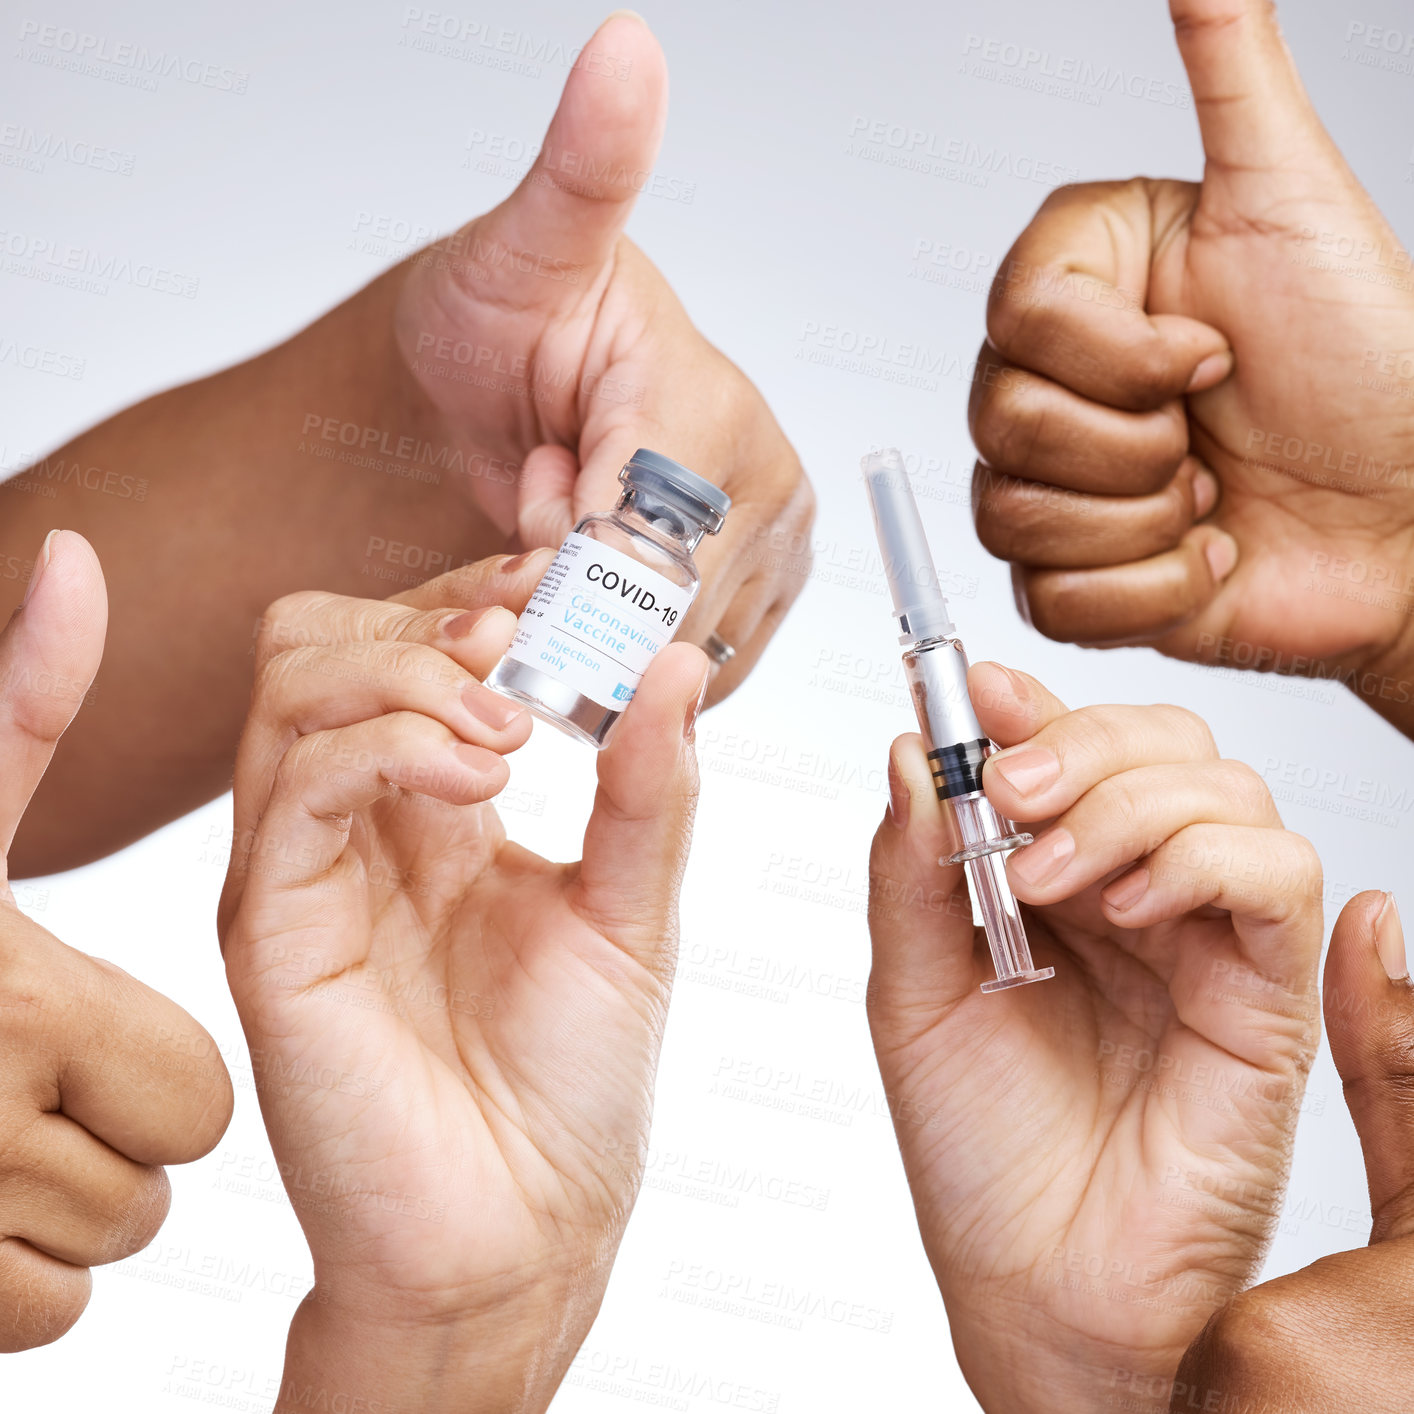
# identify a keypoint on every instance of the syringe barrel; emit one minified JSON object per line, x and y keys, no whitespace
{"x":958,"y":748}
{"x":936,"y":670}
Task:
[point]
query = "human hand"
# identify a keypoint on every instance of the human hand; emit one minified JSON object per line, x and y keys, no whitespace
{"x":101,"y":1077}
{"x":1195,"y":408}
{"x":1335,"y":1337}
{"x":546,"y":348}
{"x":1095,"y":1159}
{"x":487,"y":1022}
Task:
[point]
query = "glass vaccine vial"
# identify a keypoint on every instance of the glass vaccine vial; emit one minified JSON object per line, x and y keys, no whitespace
{"x":612,"y":597}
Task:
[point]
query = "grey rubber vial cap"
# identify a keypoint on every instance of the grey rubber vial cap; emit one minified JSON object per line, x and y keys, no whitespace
{"x":694,"y":494}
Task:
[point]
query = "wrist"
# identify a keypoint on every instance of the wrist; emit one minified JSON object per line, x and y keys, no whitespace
{"x":362,"y":1356}
{"x":1384,"y":679}
{"x":1015,"y":1363}
{"x":352,"y":410}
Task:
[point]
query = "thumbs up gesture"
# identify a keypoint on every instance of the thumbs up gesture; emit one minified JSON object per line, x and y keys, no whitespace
{"x":101,"y":1079}
{"x":545,"y":348}
{"x":1206,"y":442}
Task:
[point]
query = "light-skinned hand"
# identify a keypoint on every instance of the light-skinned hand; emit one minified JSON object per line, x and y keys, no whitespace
{"x":458,"y":1038}
{"x":1096,"y":1160}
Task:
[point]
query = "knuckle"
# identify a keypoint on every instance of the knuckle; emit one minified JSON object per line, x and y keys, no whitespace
{"x":1171,"y":516}
{"x":37,"y":1307}
{"x":1169,"y":430}
{"x":277,"y":624}
{"x":1149,"y":371}
{"x":1053,"y":604}
{"x":1190,"y":729}
{"x":1307,"y":859}
{"x":136,"y":1218}
{"x":1124,"y":812}
{"x":304,"y":760}
{"x":274,"y":676}
{"x":1099,"y":731}
{"x":1245,"y":788}
{"x":1004,"y":427}
{"x":412,"y":662}
{"x":1012,"y":319}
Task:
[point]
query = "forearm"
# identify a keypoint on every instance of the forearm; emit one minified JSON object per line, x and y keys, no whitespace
{"x":296,"y":470}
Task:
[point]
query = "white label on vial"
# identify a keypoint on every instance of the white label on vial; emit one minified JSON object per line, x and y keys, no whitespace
{"x":597,"y":620}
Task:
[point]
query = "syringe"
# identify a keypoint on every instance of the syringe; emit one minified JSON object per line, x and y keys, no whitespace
{"x":935,"y":664}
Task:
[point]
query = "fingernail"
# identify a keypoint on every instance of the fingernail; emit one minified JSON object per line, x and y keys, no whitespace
{"x":1126,"y":892}
{"x":630,"y":14}
{"x":1205,"y":493}
{"x":41,"y":560}
{"x":460,"y":625}
{"x":899,"y":797}
{"x":1039,"y":863}
{"x":1211,"y":372}
{"x":490,"y":708}
{"x":1221,"y":555}
{"x":1029,"y":771}
{"x":689,"y":725}
{"x":518,"y":562}
{"x":1389,"y":941}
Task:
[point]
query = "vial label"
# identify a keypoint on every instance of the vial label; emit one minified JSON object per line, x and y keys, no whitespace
{"x":597,"y":619}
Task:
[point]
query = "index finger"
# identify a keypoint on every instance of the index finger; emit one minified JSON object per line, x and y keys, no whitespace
{"x":428,"y":613}
{"x":1069,"y":301}
{"x":1065,"y":754}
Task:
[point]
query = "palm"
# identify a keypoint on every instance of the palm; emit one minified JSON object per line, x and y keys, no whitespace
{"x":1296,"y":435}
{"x":489,"y":1049}
{"x":564,"y":362}
{"x":1093,"y":1141}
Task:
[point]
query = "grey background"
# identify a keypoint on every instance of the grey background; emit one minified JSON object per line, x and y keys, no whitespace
{"x":271,"y":199}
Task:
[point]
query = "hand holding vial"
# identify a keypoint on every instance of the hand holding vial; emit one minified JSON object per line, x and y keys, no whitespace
{"x":492,"y":1020}
{"x":539,"y":335}
{"x":1097,"y":1161}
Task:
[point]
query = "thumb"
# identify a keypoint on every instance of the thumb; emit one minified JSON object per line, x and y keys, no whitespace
{"x":545,"y":514}
{"x":49,"y":653}
{"x":565,"y":217}
{"x":920,"y":917}
{"x":636,"y":842}
{"x":1252,"y":108}
{"x":1369,"y":1007}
